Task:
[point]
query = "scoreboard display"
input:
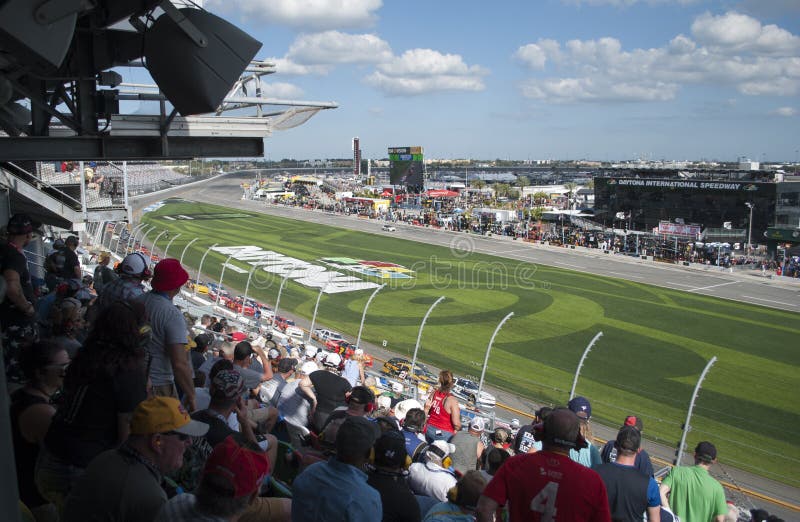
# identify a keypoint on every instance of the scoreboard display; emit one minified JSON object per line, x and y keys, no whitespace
{"x":406,"y":167}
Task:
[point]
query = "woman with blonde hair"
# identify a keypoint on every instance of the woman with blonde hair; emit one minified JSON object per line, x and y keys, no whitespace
{"x":66,"y":319}
{"x":443,"y":411}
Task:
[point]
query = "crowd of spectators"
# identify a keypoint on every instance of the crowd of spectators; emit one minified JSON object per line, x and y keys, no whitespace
{"x":125,"y":408}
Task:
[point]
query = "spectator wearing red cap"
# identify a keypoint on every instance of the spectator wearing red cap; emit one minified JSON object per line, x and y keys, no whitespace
{"x":169,"y":361}
{"x":127,"y":483}
{"x":691,"y":492}
{"x":643,"y":462}
{"x":17,"y":310}
{"x":230,"y":482}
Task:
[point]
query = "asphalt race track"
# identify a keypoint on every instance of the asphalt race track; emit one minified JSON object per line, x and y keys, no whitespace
{"x":743,"y":286}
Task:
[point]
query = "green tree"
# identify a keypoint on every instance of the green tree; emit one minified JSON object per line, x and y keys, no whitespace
{"x":523,"y":181}
{"x":570,"y":186}
{"x":539,"y":198}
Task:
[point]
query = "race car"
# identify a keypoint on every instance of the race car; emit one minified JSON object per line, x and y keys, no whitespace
{"x":400,"y":368}
{"x":468,"y":390}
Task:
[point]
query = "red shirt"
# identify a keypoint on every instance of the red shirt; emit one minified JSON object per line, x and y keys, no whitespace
{"x":438,"y":416}
{"x":549,"y":487}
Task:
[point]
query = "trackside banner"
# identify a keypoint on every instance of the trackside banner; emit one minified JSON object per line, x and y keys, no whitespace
{"x":684,"y":184}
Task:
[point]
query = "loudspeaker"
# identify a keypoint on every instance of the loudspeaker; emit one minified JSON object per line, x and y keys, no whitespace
{"x":196,"y":79}
{"x":40,"y":35}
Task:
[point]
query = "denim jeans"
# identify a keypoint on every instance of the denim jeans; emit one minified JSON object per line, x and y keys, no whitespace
{"x":432,"y":434}
{"x":55,"y":478}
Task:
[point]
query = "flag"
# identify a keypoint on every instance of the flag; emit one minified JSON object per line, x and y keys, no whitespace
{"x":727,"y":225}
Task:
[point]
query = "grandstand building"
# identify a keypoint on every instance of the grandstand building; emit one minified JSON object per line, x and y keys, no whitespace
{"x":716,"y":202}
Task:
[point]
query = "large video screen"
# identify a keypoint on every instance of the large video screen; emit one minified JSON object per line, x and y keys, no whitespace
{"x":406,"y":166}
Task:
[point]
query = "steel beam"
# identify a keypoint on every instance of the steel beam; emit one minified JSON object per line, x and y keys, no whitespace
{"x":44,"y":148}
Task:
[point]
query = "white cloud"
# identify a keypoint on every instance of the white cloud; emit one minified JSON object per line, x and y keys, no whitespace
{"x":281,"y":90}
{"x":316,"y":15}
{"x":420,"y":71}
{"x":286,"y":67}
{"x":535,"y":55}
{"x":334,"y":47}
{"x":784,"y":111}
{"x":732,"y":51}
{"x":734,"y":32}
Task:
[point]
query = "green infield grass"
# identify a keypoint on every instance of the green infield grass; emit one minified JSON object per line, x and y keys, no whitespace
{"x":656,"y":341}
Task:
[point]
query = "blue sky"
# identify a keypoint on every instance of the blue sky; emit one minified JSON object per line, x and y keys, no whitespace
{"x":562,"y":79}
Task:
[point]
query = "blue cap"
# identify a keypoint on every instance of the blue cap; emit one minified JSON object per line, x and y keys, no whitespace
{"x":581,"y":407}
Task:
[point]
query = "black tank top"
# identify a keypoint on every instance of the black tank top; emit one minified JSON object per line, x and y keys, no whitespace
{"x":25,"y":453}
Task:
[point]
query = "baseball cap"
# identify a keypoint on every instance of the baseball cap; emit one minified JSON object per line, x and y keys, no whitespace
{"x":384,"y":401}
{"x":706,"y":451}
{"x":441,"y":448}
{"x":164,"y":414}
{"x":628,"y":439}
{"x":333,"y":359}
{"x":515,"y":424}
{"x":356,"y":435}
{"x":21,"y":224}
{"x":562,"y":428}
{"x":242,"y":470}
{"x":402,"y":407}
{"x":286,"y":365}
{"x":633,"y":420}
{"x":309,"y":367}
{"x":133,"y":265}
{"x":238,"y":336}
{"x":397,"y":387}
{"x":311,"y":351}
{"x":581,"y":407}
{"x":477,"y":424}
{"x":168,"y":275}
{"x":390,"y":449}
{"x":759,"y":515}
{"x":274,"y":353}
{"x":227,"y":384}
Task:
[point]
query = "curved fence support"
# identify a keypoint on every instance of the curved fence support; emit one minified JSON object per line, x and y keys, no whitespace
{"x":155,"y":241}
{"x":316,"y":307}
{"x":221,"y":275}
{"x":169,"y":244}
{"x":364,"y":314}
{"x":419,"y":338}
{"x":488,"y":350}
{"x":686,"y":426}
{"x":580,"y":365}
{"x":187,"y":248}
{"x":200,"y":267}
{"x":141,"y":240}
{"x":278,"y":299}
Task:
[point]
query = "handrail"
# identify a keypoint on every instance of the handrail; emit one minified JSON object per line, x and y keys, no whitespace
{"x":34,"y":181}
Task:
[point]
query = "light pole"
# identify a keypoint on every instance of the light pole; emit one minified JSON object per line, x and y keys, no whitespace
{"x":364,"y":315}
{"x":751,"y":206}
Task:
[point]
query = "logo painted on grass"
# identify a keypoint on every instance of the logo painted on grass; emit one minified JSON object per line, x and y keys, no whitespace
{"x":462,"y":246}
{"x":379,"y":269}
{"x":302,"y":272}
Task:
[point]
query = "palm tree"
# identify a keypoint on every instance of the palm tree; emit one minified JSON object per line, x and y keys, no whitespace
{"x":539,"y":198}
{"x":523,"y":181}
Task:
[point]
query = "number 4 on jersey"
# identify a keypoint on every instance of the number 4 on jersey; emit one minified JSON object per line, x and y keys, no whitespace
{"x":545,"y":502}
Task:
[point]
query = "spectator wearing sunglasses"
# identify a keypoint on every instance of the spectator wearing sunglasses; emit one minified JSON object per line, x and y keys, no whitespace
{"x":127,"y":483}
{"x":43,"y":364}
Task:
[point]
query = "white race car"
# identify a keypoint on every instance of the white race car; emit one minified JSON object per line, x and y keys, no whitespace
{"x":468,"y":390}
